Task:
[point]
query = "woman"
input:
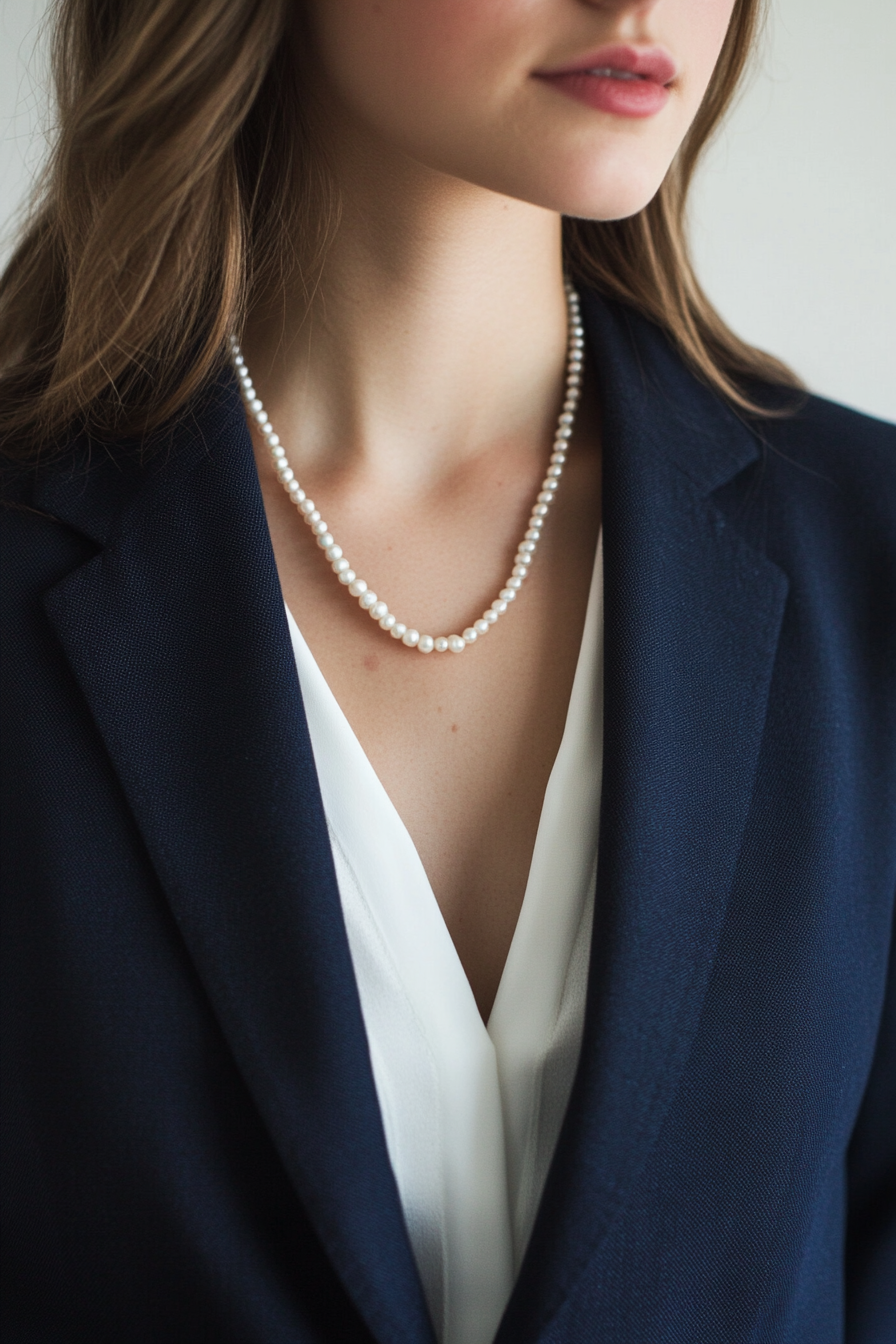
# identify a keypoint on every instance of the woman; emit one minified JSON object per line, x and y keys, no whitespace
{"x":320,"y":1026}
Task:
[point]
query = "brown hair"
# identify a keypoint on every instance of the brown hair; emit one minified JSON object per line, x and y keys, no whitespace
{"x":183,"y":172}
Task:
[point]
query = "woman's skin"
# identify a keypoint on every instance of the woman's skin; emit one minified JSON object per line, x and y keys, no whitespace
{"x":418,"y":394}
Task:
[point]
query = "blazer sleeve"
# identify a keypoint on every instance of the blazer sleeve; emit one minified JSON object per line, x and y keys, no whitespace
{"x":871,"y":1217}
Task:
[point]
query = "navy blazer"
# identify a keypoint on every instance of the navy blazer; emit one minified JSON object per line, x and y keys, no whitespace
{"x":194,"y":1150}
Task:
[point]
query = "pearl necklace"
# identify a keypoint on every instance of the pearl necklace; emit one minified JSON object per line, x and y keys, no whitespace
{"x":357,"y":587}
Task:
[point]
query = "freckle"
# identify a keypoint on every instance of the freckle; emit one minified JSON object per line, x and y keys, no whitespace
{"x":438,"y":709}
{"x":454,"y":727}
{"x":371,"y":662}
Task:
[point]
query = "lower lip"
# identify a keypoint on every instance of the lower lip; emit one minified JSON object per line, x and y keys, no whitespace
{"x":621,"y":97}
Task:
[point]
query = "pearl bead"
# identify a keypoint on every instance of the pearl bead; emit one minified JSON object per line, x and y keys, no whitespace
{"x":490,"y":617}
{"x":277,"y":453}
{"x":387,"y":622}
{"x":514,"y":582}
{"x":378,"y":610}
{"x":307,"y":505}
{"x":520,"y":571}
{"x":540,"y":509}
{"x":499,"y":606}
{"x":398,"y":631}
{"x":533,"y":534}
{"x":555,"y":471}
{"x":470,"y":635}
{"x":334,"y":552}
{"x":357,"y":587}
{"x":545,"y":497}
{"x":441,"y":644}
{"x":347,"y":576}
{"x":457,"y":644}
{"x":293,"y":487}
{"x":261,"y":418}
{"x":558,"y":458}
{"x":254,"y":405}
{"x":340,"y":564}
{"x":320,"y":529}
{"x":313,"y":517}
{"x":426,"y":644}
{"x":272,"y":438}
{"x":367,"y":600}
{"x":410,"y":638}
{"x":299,"y":495}
{"x":285,"y":473}
{"x":325,"y":541}
{"x":507,"y":594}
{"x":481,"y":627}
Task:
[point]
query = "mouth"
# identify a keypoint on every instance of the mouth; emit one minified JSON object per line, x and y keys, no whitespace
{"x":626,"y":81}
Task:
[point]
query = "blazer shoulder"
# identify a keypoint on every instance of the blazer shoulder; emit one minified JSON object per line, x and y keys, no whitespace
{"x":832,"y":470}
{"x":851,"y":446}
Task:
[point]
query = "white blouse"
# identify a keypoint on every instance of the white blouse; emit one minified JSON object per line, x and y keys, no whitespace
{"x":471,"y":1114}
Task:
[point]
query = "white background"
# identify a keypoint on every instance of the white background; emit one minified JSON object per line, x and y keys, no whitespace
{"x":793,"y":215}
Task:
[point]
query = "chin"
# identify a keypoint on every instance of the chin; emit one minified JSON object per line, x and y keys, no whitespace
{"x":602,"y":191}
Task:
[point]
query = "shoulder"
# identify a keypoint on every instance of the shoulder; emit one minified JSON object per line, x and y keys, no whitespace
{"x":831,"y":472}
{"x":807,"y":455}
{"x":820,"y":502}
{"x":853,"y":450}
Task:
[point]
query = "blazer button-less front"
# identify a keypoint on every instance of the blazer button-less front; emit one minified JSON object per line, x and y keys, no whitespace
{"x":193,"y":1139}
{"x":471,"y":1114}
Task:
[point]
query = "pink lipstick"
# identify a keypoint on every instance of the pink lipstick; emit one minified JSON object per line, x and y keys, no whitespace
{"x":624,"y":80}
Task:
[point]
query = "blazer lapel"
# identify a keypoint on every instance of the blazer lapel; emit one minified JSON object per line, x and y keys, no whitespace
{"x":692,"y":615}
{"x":177,"y":634}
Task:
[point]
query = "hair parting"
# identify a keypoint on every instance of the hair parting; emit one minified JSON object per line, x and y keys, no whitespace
{"x":185,"y":179}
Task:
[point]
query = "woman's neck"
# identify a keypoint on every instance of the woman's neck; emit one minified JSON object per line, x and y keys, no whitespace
{"x":437,"y":329}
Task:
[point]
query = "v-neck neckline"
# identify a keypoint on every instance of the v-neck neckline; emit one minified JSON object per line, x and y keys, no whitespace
{"x":355,"y":763}
{"x":471,"y":1113}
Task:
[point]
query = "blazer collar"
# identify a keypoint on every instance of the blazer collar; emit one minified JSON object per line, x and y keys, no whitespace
{"x":177,"y":634}
{"x":692,"y":616}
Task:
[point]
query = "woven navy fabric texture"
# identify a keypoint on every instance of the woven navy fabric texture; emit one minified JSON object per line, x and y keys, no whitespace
{"x":193,"y":1146}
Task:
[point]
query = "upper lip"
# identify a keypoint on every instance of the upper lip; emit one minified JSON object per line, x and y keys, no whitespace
{"x":653,"y":63}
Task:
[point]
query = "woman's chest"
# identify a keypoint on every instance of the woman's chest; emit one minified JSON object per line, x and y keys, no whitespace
{"x":463,"y":744}
{"x":464,"y":748}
